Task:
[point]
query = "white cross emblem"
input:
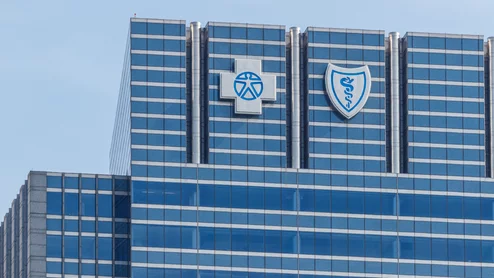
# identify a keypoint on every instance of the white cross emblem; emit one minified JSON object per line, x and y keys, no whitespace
{"x":248,"y":86}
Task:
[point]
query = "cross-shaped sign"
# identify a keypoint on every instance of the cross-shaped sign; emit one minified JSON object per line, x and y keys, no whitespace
{"x":248,"y":86}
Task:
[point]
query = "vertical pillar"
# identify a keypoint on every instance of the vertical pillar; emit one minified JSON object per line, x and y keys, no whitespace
{"x":490,"y":53}
{"x":295,"y":61}
{"x":394,"y":39}
{"x":195,"y":29}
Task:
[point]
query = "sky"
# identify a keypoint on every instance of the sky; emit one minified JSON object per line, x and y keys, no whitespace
{"x":61,"y":62}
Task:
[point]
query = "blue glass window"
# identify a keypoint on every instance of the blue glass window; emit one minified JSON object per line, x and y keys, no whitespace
{"x":71,"y":247}
{"x":71,"y":204}
{"x":88,"y":203}
{"x":54,"y":203}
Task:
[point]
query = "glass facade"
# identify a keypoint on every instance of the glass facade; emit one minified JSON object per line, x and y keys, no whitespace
{"x":248,"y":209}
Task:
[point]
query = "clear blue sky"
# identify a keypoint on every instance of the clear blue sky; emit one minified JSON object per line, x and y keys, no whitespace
{"x":60,"y":64}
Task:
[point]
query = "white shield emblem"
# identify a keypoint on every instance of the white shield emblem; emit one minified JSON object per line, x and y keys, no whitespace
{"x":348,"y":88}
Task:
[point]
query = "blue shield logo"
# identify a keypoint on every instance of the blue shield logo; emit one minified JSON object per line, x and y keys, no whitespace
{"x":248,"y":86}
{"x":348,"y":88}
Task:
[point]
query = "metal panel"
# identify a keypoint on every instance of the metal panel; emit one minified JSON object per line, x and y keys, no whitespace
{"x":295,"y":56}
{"x":196,"y":91}
{"x":394,"y":38}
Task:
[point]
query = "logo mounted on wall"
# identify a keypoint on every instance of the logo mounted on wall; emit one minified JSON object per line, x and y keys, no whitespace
{"x":248,"y":86}
{"x":348,"y":88}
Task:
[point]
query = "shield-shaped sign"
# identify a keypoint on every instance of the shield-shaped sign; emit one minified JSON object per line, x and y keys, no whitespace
{"x":348,"y":88}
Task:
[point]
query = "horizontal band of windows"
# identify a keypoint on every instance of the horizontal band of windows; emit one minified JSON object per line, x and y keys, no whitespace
{"x":440,"y":60}
{"x":446,"y":161}
{"x":362,"y":56}
{"x":345,"y":46}
{"x":158,"y":155}
{"x":447,"y":146}
{"x":311,"y":171}
{"x":441,"y":106}
{"x":168,"y":69}
{"x":282,"y":74}
{"x":57,"y":233}
{"x":158,"y":61}
{"x":231,"y":103}
{"x":158,"y":140}
{"x":445,"y":98}
{"x":161,"y":148}
{"x":158,"y":124}
{"x":281,"y":28}
{"x":364,"y":110}
{"x":246,"y":41}
{"x":436,"y":82}
{"x":234,"y":56}
{"x":158,"y":84}
{"x":217,"y":87}
{"x":448,"y":130}
{"x":263,"y":145}
{"x":247,"y":49}
{"x":329,"y":215}
{"x":344,"y":31}
{"x":246,"y":128}
{"x":162,"y":21}
{"x":445,"y":90}
{"x":165,"y":132}
{"x":328,"y":164}
{"x":157,"y":52}
{"x":322,"y":76}
{"x":86,"y":218}
{"x":158,"y":108}
{"x":246,"y":120}
{"x":442,"y":37}
{"x":445,"y":122}
{"x":157,"y":44}
{"x":350,"y":149}
{"x":85,"y":191}
{"x":247,"y":152}
{"x":348,"y":157}
{"x":444,"y":114}
{"x":305,"y":229}
{"x":158,"y":116}
{"x":251,"y":160}
{"x":161,"y":100}
{"x":448,"y":75}
{"x":227,"y":111}
{"x":308,"y":256}
{"x":48,"y":259}
{"x":347,"y":141}
{"x":445,"y":154}
{"x":158,"y":76}
{"x":445,"y":51}
{"x":158,"y":92}
{"x":247,"y":136}
{"x":352,"y":187}
{"x":346,"y":62}
{"x":159,"y":37}
{"x":445,"y":67}
{"x":323,"y":92}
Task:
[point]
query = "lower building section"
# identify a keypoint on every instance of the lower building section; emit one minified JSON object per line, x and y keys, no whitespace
{"x":212,"y":221}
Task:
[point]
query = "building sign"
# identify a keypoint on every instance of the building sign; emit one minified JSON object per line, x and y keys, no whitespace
{"x":248,"y":86}
{"x":348,"y":88}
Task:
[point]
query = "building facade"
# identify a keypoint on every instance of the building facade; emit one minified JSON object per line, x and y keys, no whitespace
{"x":250,"y":150}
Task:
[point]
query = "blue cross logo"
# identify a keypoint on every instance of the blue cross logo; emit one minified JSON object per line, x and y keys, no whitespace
{"x":248,"y":86}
